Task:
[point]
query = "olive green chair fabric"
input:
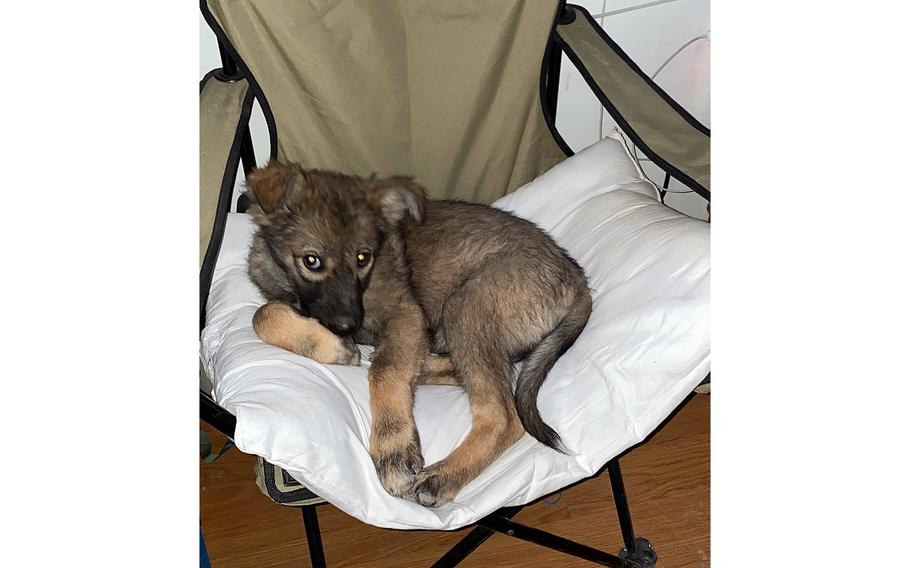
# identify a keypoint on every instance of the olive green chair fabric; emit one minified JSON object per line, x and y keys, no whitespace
{"x":662,"y":129}
{"x":444,"y":90}
{"x":221,"y":106}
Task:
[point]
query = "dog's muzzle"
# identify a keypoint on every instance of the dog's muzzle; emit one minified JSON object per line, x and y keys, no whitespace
{"x":342,"y":325}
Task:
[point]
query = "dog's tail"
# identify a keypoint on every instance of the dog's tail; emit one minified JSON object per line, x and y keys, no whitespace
{"x":539,"y":363}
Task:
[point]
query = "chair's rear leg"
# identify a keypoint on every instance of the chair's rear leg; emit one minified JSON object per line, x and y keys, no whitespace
{"x":313,"y":537}
{"x":463,"y":548}
{"x":636,"y":549}
{"x":474,"y":539}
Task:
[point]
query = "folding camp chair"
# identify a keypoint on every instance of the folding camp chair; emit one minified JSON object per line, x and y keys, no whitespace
{"x":463,"y":98}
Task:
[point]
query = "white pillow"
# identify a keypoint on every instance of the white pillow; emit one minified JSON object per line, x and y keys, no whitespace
{"x":645,"y":347}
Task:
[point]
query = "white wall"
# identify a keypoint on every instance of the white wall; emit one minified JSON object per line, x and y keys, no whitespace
{"x":650,"y":31}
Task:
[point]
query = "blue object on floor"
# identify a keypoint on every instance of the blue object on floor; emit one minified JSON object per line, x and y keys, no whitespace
{"x":203,"y":554}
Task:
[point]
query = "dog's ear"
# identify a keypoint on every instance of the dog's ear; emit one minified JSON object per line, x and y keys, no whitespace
{"x":275,"y":184}
{"x":397,"y":196}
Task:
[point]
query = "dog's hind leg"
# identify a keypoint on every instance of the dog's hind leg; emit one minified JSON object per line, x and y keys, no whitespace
{"x":485,"y":371}
{"x":495,"y":427}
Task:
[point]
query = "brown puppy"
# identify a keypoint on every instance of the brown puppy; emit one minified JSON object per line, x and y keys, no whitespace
{"x":373,"y":260}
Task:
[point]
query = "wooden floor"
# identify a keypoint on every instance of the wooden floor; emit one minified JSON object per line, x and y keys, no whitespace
{"x":667,"y":482}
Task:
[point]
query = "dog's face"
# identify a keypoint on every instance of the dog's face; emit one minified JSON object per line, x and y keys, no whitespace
{"x":323,"y":231}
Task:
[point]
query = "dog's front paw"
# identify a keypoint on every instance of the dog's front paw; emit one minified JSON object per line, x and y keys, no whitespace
{"x":433,"y":487}
{"x":278,"y":324}
{"x":396,"y":464}
{"x":348,"y":353}
{"x":330,"y":349}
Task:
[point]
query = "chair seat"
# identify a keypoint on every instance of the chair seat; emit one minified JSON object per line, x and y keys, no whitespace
{"x":644,"y":349}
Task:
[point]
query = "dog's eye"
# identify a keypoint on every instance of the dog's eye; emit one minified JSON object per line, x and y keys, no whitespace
{"x":312,"y":262}
{"x":363,"y":258}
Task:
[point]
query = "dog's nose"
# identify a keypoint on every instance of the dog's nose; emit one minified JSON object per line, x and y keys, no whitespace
{"x":343,"y":325}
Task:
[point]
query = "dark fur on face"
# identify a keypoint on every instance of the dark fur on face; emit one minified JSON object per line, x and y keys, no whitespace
{"x":318,"y":236}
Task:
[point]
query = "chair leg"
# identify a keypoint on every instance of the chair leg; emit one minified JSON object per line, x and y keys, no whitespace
{"x":511,"y":528}
{"x":463,"y":548}
{"x":474,"y":539}
{"x":313,"y":538}
{"x":637,"y":550}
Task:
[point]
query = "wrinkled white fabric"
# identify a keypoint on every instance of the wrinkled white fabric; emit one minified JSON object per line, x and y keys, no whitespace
{"x":645,"y":347}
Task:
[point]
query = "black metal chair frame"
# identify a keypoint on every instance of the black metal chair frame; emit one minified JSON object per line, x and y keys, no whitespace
{"x":636,"y":551}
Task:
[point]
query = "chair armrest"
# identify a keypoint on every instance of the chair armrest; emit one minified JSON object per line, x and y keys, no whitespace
{"x":224,"y":111}
{"x":225,"y":105}
{"x":663,"y":130}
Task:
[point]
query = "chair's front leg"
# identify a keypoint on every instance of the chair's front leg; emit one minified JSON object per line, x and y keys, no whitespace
{"x":313,"y":536}
{"x":399,"y":358}
{"x":636,"y":550}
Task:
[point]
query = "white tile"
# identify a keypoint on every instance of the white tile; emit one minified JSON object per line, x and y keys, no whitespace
{"x":682,"y":198}
{"x":209,"y":58}
{"x":687,"y":79}
{"x":653,"y":172}
{"x":649,"y":35}
{"x":622,"y":5}
{"x":593,"y":6}
{"x":688,"y":202}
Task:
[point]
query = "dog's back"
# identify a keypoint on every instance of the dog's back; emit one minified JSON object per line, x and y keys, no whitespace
{"x":485,"y":277}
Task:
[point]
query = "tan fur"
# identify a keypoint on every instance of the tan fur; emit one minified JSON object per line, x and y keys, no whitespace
{"x":438,"y":370}
{"x":278,"y":324}
{"x":396,"y":364}
{"x":495,"y":427}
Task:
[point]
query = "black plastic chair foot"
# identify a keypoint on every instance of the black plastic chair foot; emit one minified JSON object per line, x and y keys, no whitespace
{"x":643,"y":555}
